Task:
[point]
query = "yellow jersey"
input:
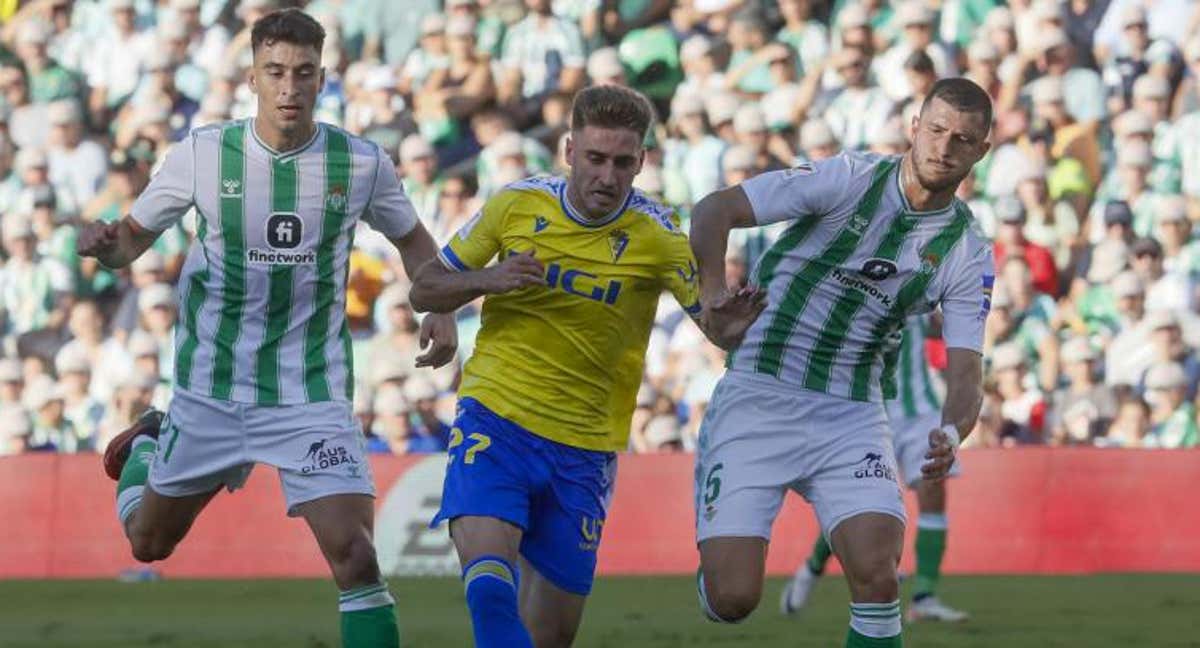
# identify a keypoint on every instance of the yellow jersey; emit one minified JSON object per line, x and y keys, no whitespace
{"x":565,"y":360}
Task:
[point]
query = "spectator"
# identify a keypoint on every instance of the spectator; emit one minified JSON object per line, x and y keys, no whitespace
{"x":543,"y":54}
{"x":1132,"y":428}
{"x":1168,"y":347}
{"x":77,"y":164}
{"x":428,"y":433}
{"x":663,"y":434}
{"x":1054,"y":57}
{"x":1010,"y":239}
{"x":15,"y":429}
{"x":30,"y":284}
{"x":454,"y":91}
{"x":817,"y":140}
{"x":857,"y":109}
{"x":80,"y":408}
{"x":1023,"y":409}
{"x":12,"y":383}
{"x":418,"y":171}
{"x":916,"y":19}
{"x":392,"y":426}
{"x":429,"y":56}
{"x":693,"y":153}
{"x":1174,"y":292}
{"x":808,"y":38}
{"x":133,"y":393}
{"x":51,"y":429}
{"x":1085,"y":408}
{"x":1173,"y":415}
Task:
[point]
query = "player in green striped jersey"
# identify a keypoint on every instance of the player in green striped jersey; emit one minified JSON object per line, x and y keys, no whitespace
{"x":263,"y":368}
{"x":871,"y":241}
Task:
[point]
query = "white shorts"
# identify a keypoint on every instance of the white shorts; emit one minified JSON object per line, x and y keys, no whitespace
{"x":206,"y":443}
{"x":761,"y":437}
{"x":912,"y":442}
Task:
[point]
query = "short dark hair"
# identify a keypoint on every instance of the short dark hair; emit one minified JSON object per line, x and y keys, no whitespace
{"x":287,"y":26}
{"x":919,"y":62}
{"x":964,"y":95}
{"x":612,"y":106}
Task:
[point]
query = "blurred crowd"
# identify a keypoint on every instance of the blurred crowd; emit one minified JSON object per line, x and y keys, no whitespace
{"x":1091,"y":191}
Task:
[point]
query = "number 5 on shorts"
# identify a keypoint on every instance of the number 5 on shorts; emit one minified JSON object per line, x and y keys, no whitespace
{"x":712,"y":485}
{"x":482,"y":442}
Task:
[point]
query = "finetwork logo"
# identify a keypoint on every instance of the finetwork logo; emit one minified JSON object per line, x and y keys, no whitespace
{"x":862,"y":285}
{"x":259,"y":256}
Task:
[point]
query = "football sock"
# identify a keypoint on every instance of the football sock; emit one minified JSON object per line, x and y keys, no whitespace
{"x":820,"y":556}
{"x":134,"y":475}
{"x":368,"y":618}
{"x":874,"y":625}
{"x":492,"y":585}
{"x":931,"y":546}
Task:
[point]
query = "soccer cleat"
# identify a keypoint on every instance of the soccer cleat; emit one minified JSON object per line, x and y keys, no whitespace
{"x":930,"y":608}
{"x":118,"y":449}
{"x":795,"y":593}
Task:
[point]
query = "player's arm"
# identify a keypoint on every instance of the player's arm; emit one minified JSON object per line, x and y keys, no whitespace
{"x":392,"y":214}
{"x":164,"y":201}
{"x":713,"y":218}
{"x":460,"y":272}
{"x":115,"y":245}
{"x":965,"y":307}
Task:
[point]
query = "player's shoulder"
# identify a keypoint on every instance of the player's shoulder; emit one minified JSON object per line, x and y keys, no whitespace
{"x":652,"y":215}
{"x":357,"y":145}
{"x":534,"y":192}
{"x":848,"y":170}
{"x":976,"y":244}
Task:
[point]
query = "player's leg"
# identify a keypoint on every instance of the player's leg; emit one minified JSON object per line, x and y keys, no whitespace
{"x":750,"y":450}
{"x":168,"y":468}
{"x":566,"y":522}
{"x":856,"y":494}
{"x":486,"y":499}
{"x":868,"y":545}
{"x":730,"y":581}
{"x":795,"y":594}
{"x":912,"y":442}
{"x":551,"y":613}
{"x":487,"y":550}
{"x":343,"y":525}
{"x":932,"y":527}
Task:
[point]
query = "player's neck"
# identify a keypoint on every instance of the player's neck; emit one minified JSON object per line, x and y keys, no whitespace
{"x":574,"y":202}
{"x":281,"y":141}
{"x":918,"y":197}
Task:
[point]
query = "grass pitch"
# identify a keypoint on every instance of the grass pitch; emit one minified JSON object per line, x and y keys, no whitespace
{"x":1118,"y":611}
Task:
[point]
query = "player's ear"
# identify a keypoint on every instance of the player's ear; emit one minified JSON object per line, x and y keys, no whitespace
{"x":321,"y":83}
{"x":569,"y":148}
{"x":251,"y":80}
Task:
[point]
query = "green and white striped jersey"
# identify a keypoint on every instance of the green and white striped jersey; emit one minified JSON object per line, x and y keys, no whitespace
{"x":919,"y":389}
{"x":855,"y":262}
{"x":263,"y":290}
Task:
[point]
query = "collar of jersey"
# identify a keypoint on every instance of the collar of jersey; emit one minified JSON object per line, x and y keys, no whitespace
{"x":283,"y":156}
{"x":904,"y":199}
{"x":584,"y":220}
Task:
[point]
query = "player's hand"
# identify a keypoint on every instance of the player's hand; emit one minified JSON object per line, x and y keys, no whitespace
{"x":439,"y":340}
{"x":97,"y":238}
{"x":728,"y":316}
{"x":514,"y":273}
{"x":941,"y":455}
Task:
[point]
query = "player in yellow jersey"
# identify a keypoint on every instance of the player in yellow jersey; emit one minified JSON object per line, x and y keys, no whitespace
{"x":547,"y":396}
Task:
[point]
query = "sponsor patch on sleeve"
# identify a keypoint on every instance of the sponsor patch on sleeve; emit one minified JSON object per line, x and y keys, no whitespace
{"x":802,"y":169}
{"x":988,"y":282}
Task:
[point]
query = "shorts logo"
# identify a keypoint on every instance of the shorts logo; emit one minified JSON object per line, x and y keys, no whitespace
{"x":874,"y":467}
{"x":591,"y":529}
{"x":321,"y":457}
{"x":878,"y":269}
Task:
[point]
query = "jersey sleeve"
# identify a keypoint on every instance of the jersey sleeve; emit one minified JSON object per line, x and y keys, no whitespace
{"x":680,"y":276}
{"x":968,"y":299}
{"x":389,"y":210}
{"x":807,"y":189}
{"x":171,"y":191}
{"x":478,"y":240}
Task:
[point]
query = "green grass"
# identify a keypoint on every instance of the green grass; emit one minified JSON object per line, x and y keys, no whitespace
{"x":1156,"y":611}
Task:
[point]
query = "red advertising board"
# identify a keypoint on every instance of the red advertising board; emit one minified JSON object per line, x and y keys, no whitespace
{"x":1015,"y":511}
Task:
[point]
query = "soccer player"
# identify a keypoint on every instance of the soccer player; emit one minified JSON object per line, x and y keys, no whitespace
{"x":871,"y":241}
{"x":548,"y":394}
{"x":915,"y":411}
{"x":263,"y":367}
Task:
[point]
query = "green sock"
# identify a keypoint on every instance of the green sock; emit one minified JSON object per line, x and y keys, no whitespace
{"x":134,"y":475}
{"x":369,"y":618}
{"x":820,"y":555}
{"x":931,"y":546}
{"x":856,"y":640}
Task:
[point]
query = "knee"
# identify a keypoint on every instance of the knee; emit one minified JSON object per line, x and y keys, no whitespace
{"x":732,"y":600}
{"x":353,"y":562}
{"x":149,"y":547}
{"x":878,"y":585}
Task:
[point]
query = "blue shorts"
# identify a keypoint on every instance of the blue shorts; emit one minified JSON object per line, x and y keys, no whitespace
{"x":558,"y":494}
